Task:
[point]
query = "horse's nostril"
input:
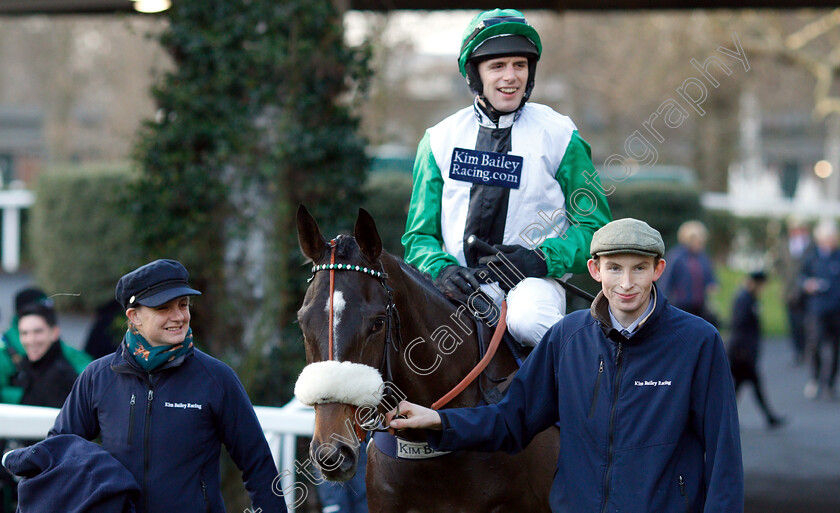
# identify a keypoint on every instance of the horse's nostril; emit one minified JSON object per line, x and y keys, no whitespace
{"x":331,"y":457}
{"x":349,"y":457}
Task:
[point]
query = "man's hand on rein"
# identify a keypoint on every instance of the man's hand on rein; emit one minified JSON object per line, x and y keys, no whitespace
{"x":412,"y":416}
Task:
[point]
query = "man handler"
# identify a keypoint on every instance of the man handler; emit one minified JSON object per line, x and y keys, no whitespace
{"x":640,"y":390}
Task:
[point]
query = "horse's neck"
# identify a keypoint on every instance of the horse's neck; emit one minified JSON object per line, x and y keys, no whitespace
{"x":423,"y":307}
{"x":439,"y":341}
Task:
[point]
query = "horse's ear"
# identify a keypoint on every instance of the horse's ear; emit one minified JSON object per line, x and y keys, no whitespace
{"x":367,"y":237}
{"x":312,"y":243}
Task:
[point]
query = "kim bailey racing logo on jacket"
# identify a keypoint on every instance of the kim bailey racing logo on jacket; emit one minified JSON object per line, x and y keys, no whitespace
{"x":486,"y":167}
{"x":182,"y":406}
{"x":652,"y":383}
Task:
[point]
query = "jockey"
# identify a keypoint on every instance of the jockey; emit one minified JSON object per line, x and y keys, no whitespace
{"x":505,"y":197}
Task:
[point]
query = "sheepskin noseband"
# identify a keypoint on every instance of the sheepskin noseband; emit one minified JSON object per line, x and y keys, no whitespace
{"x":339,"y":382}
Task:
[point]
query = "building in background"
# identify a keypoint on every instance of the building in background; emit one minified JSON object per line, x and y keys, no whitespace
{"x":21,"y":143}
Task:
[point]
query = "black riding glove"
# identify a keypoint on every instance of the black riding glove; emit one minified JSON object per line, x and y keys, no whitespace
{"x":512,"y":264}
{"x":457,"y":282}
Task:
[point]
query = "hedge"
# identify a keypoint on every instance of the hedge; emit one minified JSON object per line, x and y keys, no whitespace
{"x":387,"y":196}
{"x":80,"y":240}
{"x":663,"y":206}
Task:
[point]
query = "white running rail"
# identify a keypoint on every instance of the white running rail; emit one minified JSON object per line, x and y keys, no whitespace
{"x":281,"y":426}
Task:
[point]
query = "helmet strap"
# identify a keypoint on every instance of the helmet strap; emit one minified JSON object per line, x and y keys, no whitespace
{"x":477,"y":87}
{"x":529,"y":87}
{"x":487,"y":107}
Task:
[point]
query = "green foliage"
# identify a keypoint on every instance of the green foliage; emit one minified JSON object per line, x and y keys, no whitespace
{"x":388,"y":195}
{"x":730,"y":234}
{"x":773,"y":314}
{"x":664,"y":206}
{"x":80,"y":233}
{"x":256,"y":118}
{"x":722,"y":229}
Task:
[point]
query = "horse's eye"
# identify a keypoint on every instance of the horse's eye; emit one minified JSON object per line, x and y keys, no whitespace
{"x":378,"y":324}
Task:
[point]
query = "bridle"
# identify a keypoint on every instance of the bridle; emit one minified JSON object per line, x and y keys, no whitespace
{"x":393,"y":337}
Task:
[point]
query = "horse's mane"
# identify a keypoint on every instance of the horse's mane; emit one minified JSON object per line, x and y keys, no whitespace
{"x":424,"y":279}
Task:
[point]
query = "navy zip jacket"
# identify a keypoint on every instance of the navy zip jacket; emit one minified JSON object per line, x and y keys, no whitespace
{"x":69,"y":474}
{"x":167,"y":428}
{"x":648,"y":424}
{"x":825,"y":266}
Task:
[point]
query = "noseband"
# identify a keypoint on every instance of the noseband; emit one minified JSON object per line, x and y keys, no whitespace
{"x":393,"y":338}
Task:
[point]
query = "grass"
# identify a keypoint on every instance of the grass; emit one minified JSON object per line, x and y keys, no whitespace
{"x":773,"y":313}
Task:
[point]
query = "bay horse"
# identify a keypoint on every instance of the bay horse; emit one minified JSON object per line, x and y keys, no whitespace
{"x":384,"y":317}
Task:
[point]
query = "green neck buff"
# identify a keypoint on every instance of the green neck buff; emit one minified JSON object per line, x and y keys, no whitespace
{"x":150,"y":357}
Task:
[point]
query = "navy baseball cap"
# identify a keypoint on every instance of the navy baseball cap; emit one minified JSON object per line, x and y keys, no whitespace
{"x":154,"y":284}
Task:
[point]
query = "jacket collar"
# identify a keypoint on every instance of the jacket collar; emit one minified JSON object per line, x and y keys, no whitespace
{"x":52,"y":354}
{"x":600,"y":312}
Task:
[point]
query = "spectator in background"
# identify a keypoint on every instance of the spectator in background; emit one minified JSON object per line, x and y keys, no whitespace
{"x":77,"y":358}
{"x":791,"y":253}
{"x":821,"y":283}
{"x":689,"y":276}
{"x":745,"y":340}
{"x":45,"y":376}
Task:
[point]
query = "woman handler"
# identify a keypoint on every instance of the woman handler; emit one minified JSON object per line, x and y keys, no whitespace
{"x":163,"y":408}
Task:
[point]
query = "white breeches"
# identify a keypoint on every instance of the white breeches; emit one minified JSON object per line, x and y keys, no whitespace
{"x":533,"y":306}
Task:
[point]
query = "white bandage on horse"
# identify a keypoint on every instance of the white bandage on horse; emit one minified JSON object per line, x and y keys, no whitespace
{"x":339,"y":382}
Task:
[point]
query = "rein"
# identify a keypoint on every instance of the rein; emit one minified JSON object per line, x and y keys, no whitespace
{"x":479,"y":368}
{"x":394,"y":322}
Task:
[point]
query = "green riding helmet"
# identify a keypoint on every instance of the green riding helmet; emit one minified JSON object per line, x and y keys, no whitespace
{"x":498,"y":33}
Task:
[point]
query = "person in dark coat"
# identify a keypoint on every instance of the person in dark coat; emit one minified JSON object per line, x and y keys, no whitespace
{"x":745,"y":341}
{"x":792,"y":251}
{"x":46,"y":375}
{"x":821,"y":283}
{"x":163,"y":408}
{"x":11,"y":338}
{"x":640,"y":390}
{"x":690,"y":278}
{"x":105,"y":334}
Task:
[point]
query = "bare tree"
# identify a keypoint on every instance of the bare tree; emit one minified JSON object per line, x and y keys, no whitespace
{"x":90,"y":76}
{"x":809,"y":41}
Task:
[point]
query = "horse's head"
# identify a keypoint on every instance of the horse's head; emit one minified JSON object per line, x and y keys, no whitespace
{"x":345,"y":323}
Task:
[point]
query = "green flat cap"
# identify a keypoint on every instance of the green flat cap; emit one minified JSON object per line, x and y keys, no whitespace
{"x":627,"y":235}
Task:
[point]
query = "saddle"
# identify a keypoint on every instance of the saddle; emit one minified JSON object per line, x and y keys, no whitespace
{"x":485,"y":324}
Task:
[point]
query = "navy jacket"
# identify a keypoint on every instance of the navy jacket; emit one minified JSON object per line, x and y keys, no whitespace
{"x":683,"y":287}
{"x":825,"y":266}
{"x":69,"y":474}
{"x":167,"y":428}
{"x":648,"y":424}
